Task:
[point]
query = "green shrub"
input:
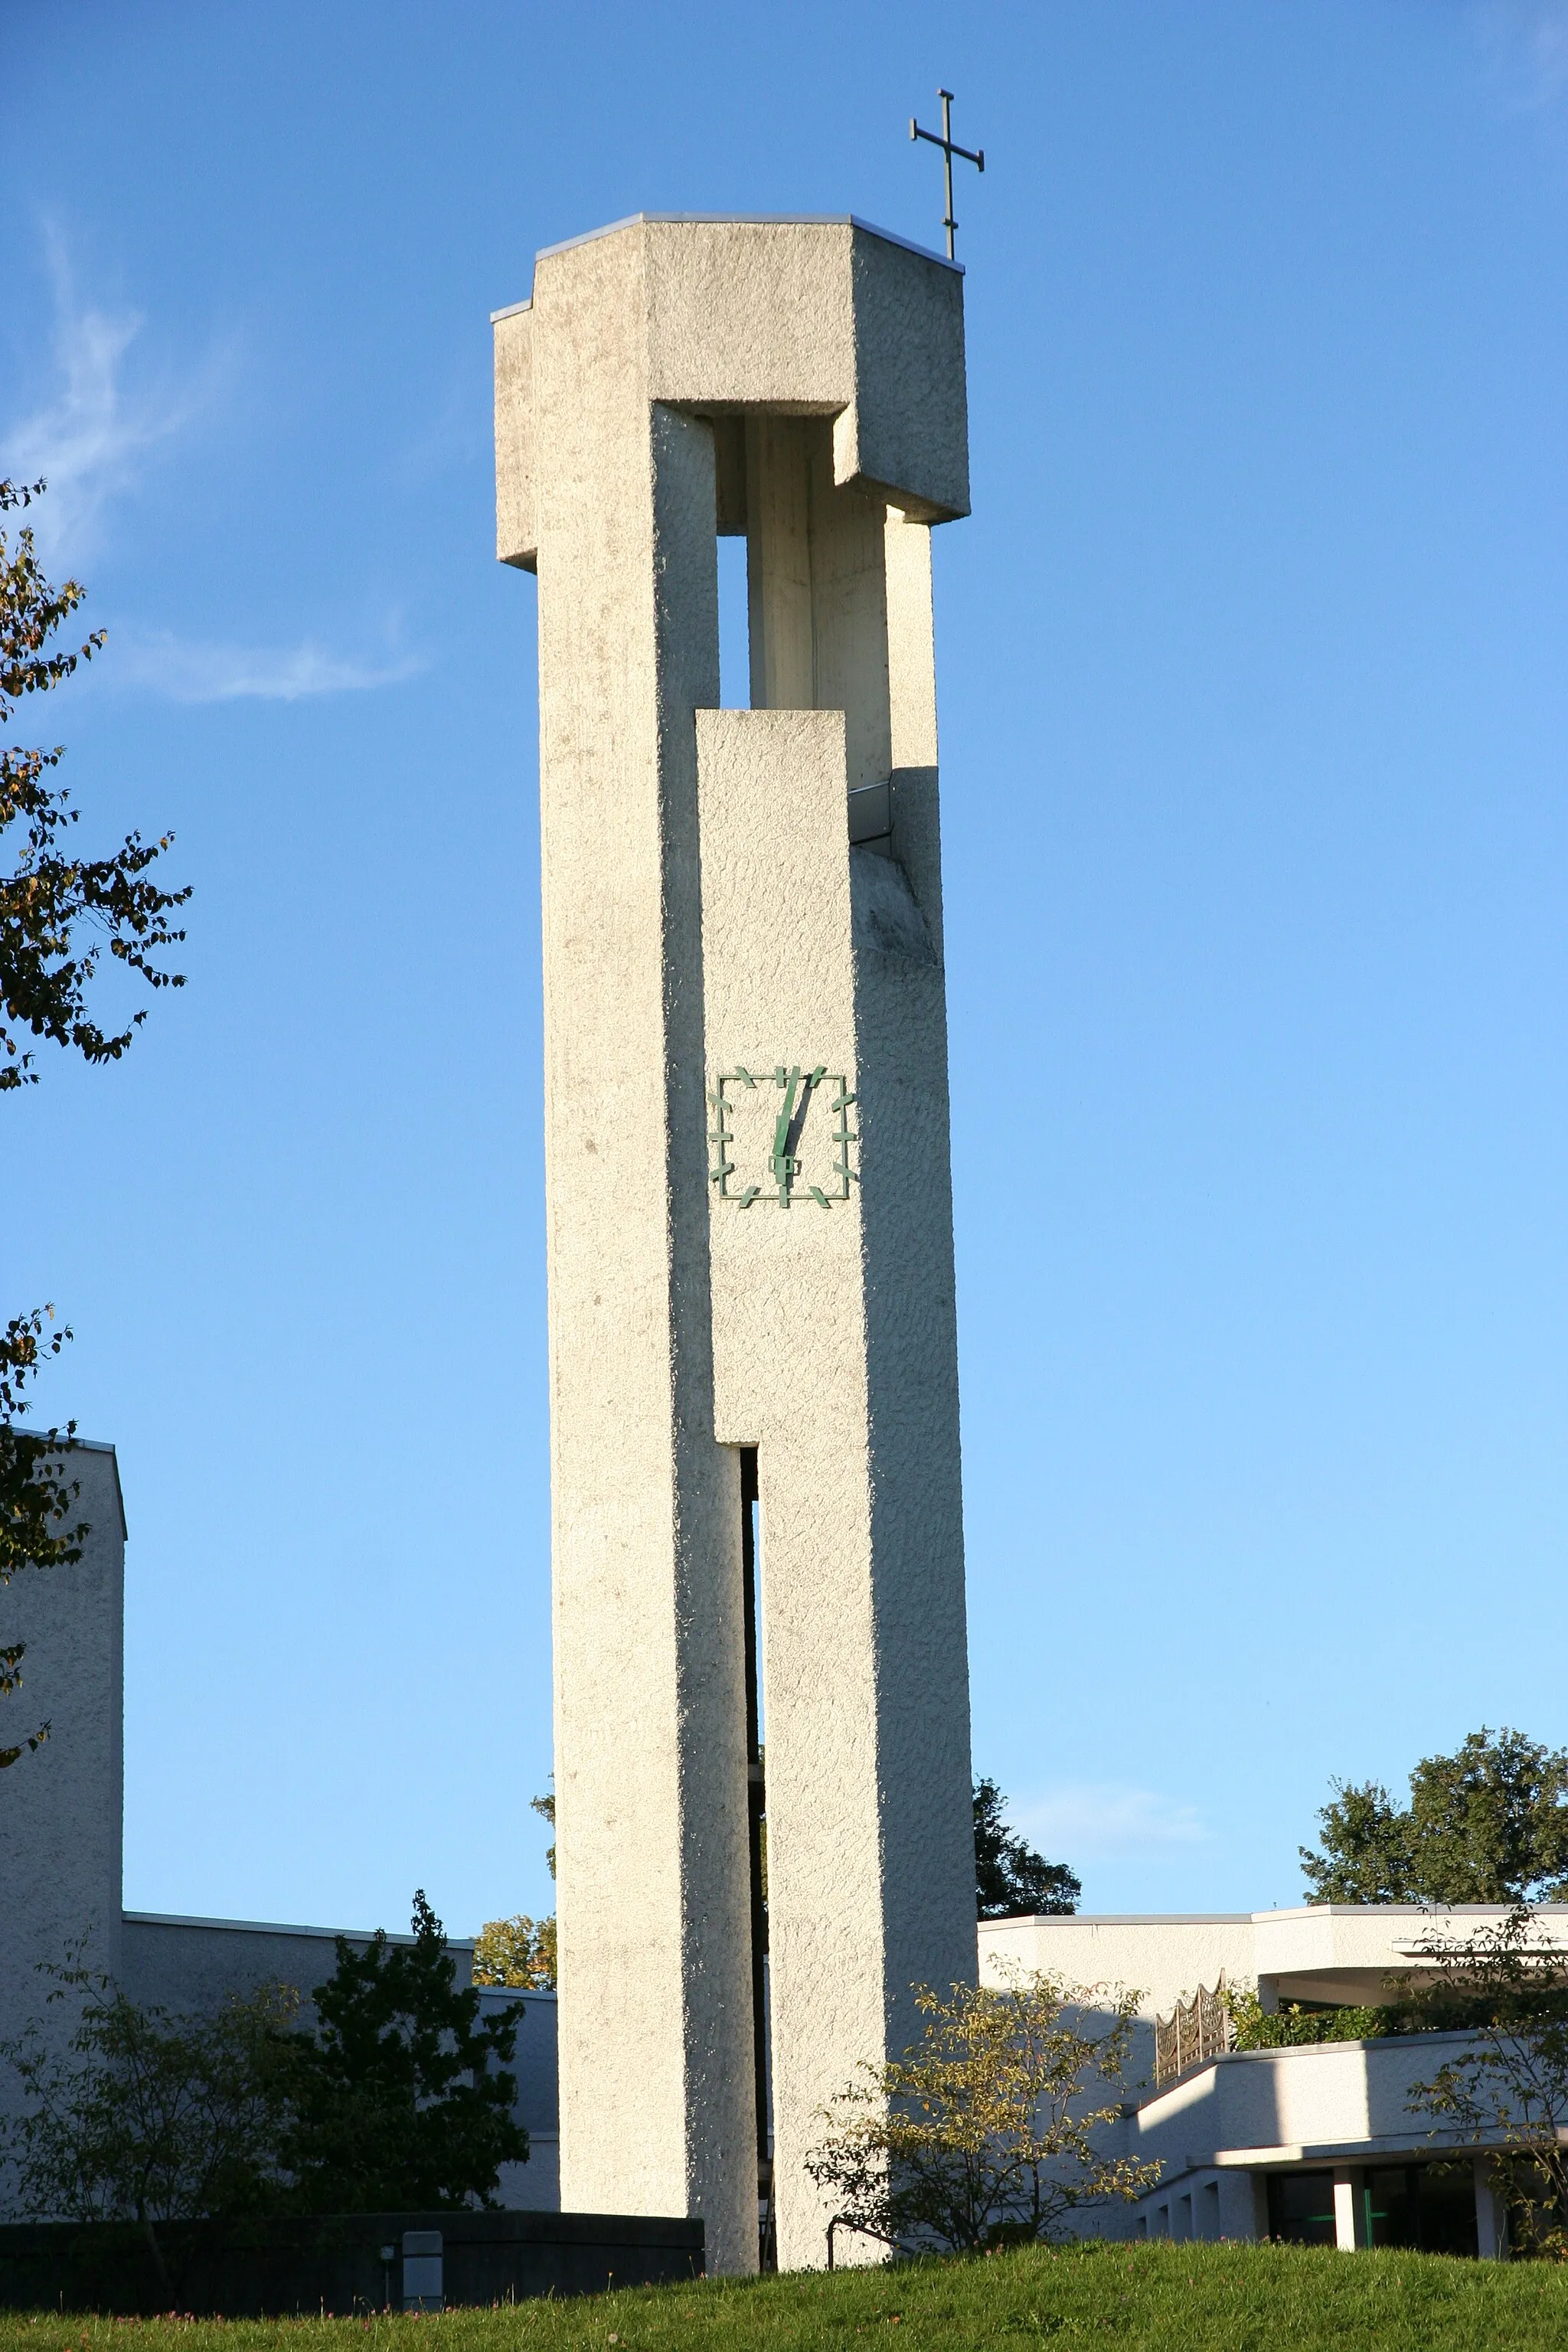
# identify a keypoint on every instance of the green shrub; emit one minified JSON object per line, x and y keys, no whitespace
{"x":1288,"y":2027}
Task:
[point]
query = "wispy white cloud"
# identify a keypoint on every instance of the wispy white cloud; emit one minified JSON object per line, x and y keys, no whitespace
{"x":92,"y":437}
{"x":1081,"y":1821}
{"x":1530,"y":39}
{"x":459,"y":431}
{"x":185,"y":670}
{"x":89,"y":438}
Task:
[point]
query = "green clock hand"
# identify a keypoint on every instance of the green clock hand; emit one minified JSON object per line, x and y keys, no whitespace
{"x":789,"y":1081}
{"x":787,"y":1133}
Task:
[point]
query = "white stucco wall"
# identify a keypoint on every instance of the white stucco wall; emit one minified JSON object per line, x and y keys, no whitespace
{"x":533,"y":2187}
{"x":1162,"y":1959}
{"x":1223,"y":2126}
{"x":60,"y":1845}
{"x":188,"y":1965}
{"x":834,"y":1354}
{"x":653,"y":1902}
{"x":62,"y":1807}
{"x":1346,"y":1953}
{"x":1329,"y":2107}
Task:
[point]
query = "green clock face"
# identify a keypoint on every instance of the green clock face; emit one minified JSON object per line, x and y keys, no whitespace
{"x":782,"y":1136}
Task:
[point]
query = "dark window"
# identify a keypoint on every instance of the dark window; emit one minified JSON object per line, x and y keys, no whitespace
{"x":1448,"y":2208}
{"x":1301,"y":2207}
{"x":1391,"y":2206}
{"x":1432,"y":2206}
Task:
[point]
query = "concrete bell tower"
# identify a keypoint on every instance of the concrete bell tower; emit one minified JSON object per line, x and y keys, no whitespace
{"x":756,"y":1508}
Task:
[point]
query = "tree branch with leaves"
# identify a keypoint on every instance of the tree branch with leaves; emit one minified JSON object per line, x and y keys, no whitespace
{"x":516,"y":1951}
{"x":59,"y":911}
{"x":1487,"y":1825}
{"x":1506,"y":1984}
{"x":520,"y":1950}
{"x":404,"y":2099}
{"x":984,"y":2133}
{"x":1011,"y":1880}
{"x":35,"y":1493}
{"x":149,"y":2117}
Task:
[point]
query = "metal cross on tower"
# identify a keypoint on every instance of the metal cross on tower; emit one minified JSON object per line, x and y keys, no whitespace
{"x":971,"y":155}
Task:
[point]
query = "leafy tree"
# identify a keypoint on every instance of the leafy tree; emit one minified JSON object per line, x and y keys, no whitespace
{"x":545,"y":1808}
{"x":36,"y":1494}
{"x":150,"y":2118}
{"x":399,"y":2101}
{"x":1011,"y":1880}
{"x":1506,"y":1984}
{"x":520,"y":1950}
{"x":402,"y":2101}
{"x":516,"y":1951}
{"x":52,"y":904}
{"x":58,"y":912}
{"x":1367,"y":1855}
{"x":982,"y":2135}
{"x":1488,"y":1824}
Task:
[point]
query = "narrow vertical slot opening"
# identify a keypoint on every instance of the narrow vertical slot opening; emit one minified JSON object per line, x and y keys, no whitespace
{"x":757,"y":1837}
{"x":734,"y":628}
{"x":735,"y":599}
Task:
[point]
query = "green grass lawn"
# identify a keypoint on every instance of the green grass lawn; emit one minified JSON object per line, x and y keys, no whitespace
{"x":1212,"y":2298}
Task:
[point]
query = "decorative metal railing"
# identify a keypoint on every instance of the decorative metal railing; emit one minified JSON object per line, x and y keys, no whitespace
{"x":1196,"y":2029}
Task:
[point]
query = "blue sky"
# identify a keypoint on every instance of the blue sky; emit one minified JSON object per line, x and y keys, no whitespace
{"x":1254,"y":671}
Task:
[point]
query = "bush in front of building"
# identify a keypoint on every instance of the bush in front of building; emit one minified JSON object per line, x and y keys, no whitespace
{"x":984,"y":2133}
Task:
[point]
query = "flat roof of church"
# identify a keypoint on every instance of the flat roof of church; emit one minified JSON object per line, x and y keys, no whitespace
{"x":277,"y":1927}
{"x":1252,"y":1918}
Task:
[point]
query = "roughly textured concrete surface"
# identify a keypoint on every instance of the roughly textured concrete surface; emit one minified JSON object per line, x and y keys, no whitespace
{"x":703,"y":908}
{"x":835,"y":1355}
{"x":62,"y":1807}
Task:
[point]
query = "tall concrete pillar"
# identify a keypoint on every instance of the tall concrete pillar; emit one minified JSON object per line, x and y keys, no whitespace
{"x":1491,"y":2213}
{"x":1348,"y":2232}
{"x":749,"y":1211}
